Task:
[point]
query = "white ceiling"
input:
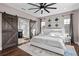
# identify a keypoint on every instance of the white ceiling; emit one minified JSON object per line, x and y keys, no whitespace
{"x":61,"y":7}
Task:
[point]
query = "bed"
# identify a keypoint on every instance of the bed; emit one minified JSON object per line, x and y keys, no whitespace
{"x":54,"y":33}
{"x":54,"y":42}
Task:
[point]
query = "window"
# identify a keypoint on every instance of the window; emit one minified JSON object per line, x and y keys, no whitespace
{"x":42,"y":24}
{"x":67,"y":25}
{"x":67,"y":21}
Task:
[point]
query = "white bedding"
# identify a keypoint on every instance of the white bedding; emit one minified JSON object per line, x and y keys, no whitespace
{"x":36,"y":51}
{"x":54,"y":44}
{"x":48,"y":48}
{"x":54,"y":33}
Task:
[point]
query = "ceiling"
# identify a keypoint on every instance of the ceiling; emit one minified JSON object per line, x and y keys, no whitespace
{"x":61,"y":7}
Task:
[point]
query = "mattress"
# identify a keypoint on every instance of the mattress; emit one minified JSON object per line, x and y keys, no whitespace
{"x":49,"y":48}
{"x":37,"y":51}
{"x":50,"y":43}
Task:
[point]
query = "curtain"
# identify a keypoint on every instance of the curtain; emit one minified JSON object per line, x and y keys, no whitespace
{"x":71,"y":28}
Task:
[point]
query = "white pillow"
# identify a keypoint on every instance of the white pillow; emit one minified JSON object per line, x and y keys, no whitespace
{"x":53,"y":31}
{"x":52,"y":34}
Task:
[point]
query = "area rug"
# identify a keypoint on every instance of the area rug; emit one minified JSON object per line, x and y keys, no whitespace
{"x":41,"y":52}
{"x":23,"y":40}
{"x":70,"y":51}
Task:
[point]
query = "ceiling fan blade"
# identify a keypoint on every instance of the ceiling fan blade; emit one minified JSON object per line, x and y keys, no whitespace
{"x":50,"y":4}
{"x":33,"y":8}
{"x":33,"y":4}
{"x":37,"y":11}
{"x":45,"y":4}
{"x":41,"y":4}
{"x":51,"y":8}
{"x":46,"y":10}
{"x":41,"y":11}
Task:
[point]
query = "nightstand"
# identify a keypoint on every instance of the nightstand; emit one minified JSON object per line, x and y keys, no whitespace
{"x":68,"y":39}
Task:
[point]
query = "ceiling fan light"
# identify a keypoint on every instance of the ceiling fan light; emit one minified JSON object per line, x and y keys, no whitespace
{"x":42,"y":9}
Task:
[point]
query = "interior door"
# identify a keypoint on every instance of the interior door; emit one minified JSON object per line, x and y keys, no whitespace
{"x":9,"y":30}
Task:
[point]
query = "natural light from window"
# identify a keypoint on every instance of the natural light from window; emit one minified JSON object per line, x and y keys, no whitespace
{"x":42,"y":24}
{"x":66,"y":21}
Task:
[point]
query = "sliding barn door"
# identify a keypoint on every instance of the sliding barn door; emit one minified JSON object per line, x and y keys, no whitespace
{"x":9,"y":31}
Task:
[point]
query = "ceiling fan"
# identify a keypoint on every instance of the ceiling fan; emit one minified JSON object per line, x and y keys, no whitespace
{"x":42,"y":6}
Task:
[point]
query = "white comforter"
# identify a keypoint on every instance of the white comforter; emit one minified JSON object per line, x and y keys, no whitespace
{"x":59,"y":33}
{"x":54,"y":44}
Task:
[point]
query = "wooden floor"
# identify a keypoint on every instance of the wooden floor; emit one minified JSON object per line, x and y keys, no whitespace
{"x":18,"y":52}
{"x":76,"y":48}
{"x":15,"y":51}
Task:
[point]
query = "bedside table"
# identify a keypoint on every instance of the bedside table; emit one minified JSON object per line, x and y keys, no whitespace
{"x":68,"y":39}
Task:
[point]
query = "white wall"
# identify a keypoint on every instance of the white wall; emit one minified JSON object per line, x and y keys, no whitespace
{"x":0,"y":31}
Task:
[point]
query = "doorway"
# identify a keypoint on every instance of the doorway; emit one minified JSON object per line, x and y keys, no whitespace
{"x":23,"y":31}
